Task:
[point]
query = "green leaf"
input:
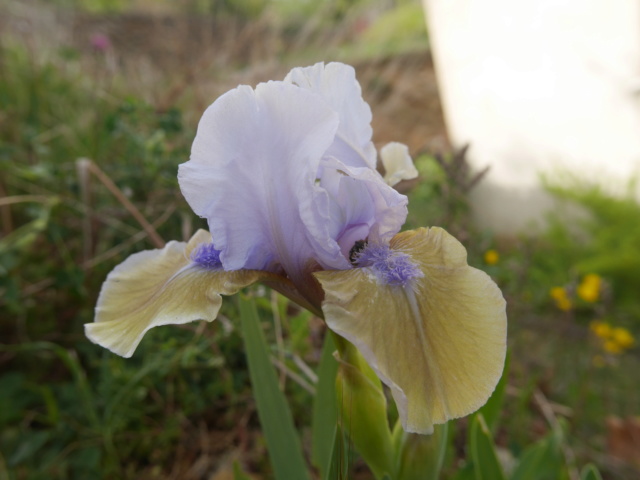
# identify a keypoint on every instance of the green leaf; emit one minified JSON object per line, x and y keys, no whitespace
{"x":22,"y":238}
{"x":86,"y":462}
{"x":467,"y":472}
{"x":338,"y":466}
{"x":491,"y":410}
{"x":15,"y":398}
{"x":49,"y":400}
{"x":590,"y":472}
{"x":483,"y":452}
{"x":29,"y":446}
{"x":541,"y":461}
{"x":275,"y":417}
{"x":238,"y":474}
{"x":325,"y":408}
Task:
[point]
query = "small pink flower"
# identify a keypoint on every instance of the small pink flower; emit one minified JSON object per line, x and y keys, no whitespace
{"x":100,"y":42}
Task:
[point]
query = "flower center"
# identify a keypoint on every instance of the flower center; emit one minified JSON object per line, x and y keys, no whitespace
{"x":356,"y":250}
{"x":390,"y":267}
{"x":206,"y":256}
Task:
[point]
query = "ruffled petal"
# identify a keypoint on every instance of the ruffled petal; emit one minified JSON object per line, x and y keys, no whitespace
{"x":252,"y":174}
{"x":397,"y":163}
{"x":177,"y":284}
{"x":437,"y":340}
{"x":337,"y":84}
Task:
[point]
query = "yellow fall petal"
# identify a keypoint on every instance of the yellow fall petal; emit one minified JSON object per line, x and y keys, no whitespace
{"x":438,"y":342}
{"x":160,"y":287}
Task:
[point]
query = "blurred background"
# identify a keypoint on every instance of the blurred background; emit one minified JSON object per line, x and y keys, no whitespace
{"x":524,"y":124}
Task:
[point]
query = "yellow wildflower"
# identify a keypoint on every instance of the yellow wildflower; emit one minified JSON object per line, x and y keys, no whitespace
{"x":601,"y":329}
{"x":563,"y":302}
{"x":491,"y":257}
{"x":613,"y":347}
{"x":615,"y":340}
{"x":557,"y":293}
{"x":589,"y":288}
{"x":622,"y":337}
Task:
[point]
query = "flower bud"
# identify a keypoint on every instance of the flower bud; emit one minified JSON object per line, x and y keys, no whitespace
{"x":363,"y":410}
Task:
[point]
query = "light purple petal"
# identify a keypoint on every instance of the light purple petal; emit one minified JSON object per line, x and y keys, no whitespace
{"x":337,"y":84}
{"x":252,"y":174}
{"x":361,"y":203}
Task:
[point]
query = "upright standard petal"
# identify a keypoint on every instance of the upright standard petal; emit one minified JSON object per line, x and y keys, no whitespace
{"x":435,"y":332}
{"x":177,"y":284}
{"x":337,"y":84}
{"x":252,"y":174}
{"x":359,"y":200}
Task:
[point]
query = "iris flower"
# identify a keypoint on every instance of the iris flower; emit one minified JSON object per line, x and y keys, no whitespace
{"x":285,"y":175}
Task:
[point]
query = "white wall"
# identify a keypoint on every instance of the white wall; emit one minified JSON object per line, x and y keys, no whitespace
{"x":539,"y":86}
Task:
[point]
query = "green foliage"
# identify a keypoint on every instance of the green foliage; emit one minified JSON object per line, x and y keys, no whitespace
{"x":137,"y":147}
{"x":238,"y":474}
{"x":66,"y":404}
{"x":605,"y":242}
{"x":94,"y":6}
{"x":397,"y":30}
{"x":275,"y":417}
{"x":483,"y":452}
{"x":590,"y":472}
{"x":23,"y":237}
{"x":325,"y":410}
{"x":72,"y":426}
{"x":339,"y":463}
{"x":440,"y":198}
{"x":543,"y":460}
{"x":491,"y":410}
